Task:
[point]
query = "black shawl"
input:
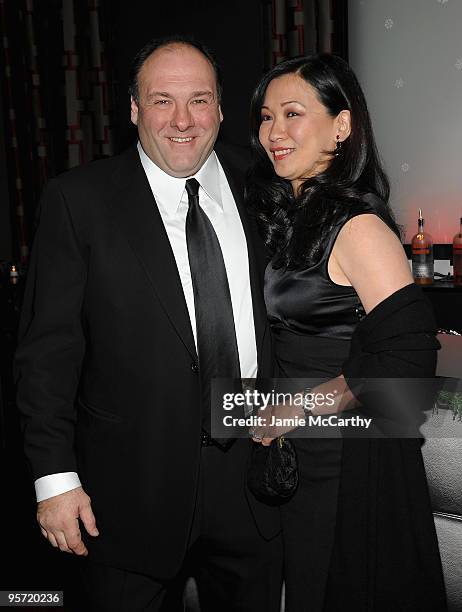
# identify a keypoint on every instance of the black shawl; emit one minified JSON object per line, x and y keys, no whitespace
{"x":385,"y":555}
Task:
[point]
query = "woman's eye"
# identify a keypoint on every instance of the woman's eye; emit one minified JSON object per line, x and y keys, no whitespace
{"x":292,"y":114}
{"x":265,"y":118}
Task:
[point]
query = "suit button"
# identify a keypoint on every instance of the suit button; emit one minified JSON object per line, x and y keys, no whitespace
{"x":194,"y":367}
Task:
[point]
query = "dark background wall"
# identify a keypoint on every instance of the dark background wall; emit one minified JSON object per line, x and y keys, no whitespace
{"x":5,"y":225}
{"x":234,"y":30}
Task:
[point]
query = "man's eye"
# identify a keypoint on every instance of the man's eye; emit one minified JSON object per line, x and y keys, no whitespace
{"x":161,"y":102}
{"x":199,"y":101}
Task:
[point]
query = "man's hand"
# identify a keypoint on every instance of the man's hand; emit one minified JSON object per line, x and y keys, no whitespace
{"x":58,"y":518}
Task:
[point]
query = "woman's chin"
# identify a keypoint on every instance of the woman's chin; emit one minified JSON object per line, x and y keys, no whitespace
{"x":282,"y":175}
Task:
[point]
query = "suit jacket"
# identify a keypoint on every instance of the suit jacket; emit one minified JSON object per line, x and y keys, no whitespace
{"x":107,"y":371}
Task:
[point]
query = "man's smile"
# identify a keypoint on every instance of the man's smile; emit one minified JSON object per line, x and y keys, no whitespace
{"x":183,"y":140}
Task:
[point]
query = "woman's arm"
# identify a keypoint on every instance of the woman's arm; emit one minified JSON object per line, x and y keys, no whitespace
{"x":368,"y":256}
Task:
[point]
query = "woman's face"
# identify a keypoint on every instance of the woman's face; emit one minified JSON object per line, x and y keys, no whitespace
{"x":296,"y":130}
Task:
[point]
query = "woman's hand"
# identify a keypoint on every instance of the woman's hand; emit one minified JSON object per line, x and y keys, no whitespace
{"x":276,"y":421}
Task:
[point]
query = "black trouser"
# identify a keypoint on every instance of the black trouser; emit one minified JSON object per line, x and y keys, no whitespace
{"x":235,"y":568}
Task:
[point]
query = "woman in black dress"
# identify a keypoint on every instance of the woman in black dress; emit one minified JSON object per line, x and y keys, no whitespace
{"x":358,"y":533}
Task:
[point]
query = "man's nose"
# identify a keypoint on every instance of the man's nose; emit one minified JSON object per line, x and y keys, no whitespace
{"x":182,"y":118}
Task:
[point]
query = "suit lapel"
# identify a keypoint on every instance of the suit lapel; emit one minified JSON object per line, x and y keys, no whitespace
{"x":139,"y":219}
{"x":256,"y":259}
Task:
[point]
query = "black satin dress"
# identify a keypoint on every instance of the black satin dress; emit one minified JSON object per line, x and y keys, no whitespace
{"x":312,"y":321}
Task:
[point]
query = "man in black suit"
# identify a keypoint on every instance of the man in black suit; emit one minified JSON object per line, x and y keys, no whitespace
{"x":111,"y":384}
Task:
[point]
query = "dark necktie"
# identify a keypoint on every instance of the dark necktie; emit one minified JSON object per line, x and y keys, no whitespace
{"x":216,"y":334}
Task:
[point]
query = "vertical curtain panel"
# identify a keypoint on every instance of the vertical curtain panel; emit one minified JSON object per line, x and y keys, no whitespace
{"x":301,"y":27}
{"x":56,"y":96}
{"x":88,"y":131}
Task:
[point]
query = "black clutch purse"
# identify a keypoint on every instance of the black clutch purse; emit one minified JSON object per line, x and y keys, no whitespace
{"x":272,"y":475}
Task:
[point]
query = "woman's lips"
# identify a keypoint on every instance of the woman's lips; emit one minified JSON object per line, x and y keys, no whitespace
{"x":281,"y":153}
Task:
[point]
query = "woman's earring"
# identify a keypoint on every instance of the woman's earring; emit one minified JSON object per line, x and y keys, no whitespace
{"x":338,"y":146}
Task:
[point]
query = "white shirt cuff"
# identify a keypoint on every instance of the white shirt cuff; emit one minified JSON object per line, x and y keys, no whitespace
{"x":55,"y":484}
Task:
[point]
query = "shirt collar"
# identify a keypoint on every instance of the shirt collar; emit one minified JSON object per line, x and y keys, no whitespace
{"x":208,"y":177}
{"x":169,"y":190}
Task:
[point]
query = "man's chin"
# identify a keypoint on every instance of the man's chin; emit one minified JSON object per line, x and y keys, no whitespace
{"x":185,"y":168}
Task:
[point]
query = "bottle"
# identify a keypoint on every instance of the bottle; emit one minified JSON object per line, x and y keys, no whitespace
{"x":422,"y":255}
{"x":457,"y":256}
{"x":14,"y":276}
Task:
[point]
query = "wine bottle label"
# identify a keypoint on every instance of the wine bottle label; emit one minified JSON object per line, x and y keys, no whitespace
{"x":422,"y":270}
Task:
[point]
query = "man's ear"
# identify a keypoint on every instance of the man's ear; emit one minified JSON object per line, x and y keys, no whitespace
{"x":343,"y":124}
{"x":133,"y":111}
{"x":221,"y":114}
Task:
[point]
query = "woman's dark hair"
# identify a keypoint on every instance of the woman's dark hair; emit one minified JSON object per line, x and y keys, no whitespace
{"x":297,"y":227}
{"x":169,"y":41}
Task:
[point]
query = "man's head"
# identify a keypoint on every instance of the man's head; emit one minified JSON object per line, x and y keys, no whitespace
{"x":175,"y":102}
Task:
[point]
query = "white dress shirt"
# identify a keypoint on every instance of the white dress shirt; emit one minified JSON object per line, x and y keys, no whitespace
{"x":216,"y":199}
